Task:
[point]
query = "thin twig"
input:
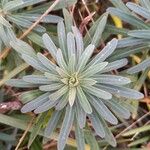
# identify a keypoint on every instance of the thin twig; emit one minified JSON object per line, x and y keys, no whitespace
{"x":87,"y":9}
{"x":85,"y":25}
{"x":134,"y":123}
{"x":6,"y":50}
{"x":24,"y":134}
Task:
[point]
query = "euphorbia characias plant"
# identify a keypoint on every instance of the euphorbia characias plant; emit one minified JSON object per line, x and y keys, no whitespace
{"x":76,"y":85}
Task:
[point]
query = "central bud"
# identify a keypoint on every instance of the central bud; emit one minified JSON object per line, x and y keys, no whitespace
{"x":73,"y":80}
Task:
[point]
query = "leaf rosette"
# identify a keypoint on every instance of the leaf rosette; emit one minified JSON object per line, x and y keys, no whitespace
{"x":77,"y":84}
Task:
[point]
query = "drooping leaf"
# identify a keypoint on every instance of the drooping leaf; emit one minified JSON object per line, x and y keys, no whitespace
{"x":96,"y":123}
{"x":122,"y":91}
{"x":128,"y":18}
{"x":79,"y":137}
{"x":35,"y":103}
{"x":52,"y":123}
{"x":118,"y":108}
{"x":98,"y":92}
{"x":103,"y":111}
{"x":65,"y":128}
{"x":80,"y":115}
{"x":139,"y":10}
{"x":112,"y":79}
{"x":139,"y":67}
{"x":108,"y":135}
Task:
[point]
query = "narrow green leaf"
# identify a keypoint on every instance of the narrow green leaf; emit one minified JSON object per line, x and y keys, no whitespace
{"x":79,"y":134}
{"x":71,"y":64}
{"x":51,"y":87}
{"x":33,"y":18}
{"x":12,"y":4}
{"x":139,"y":10}
{"x":23,"y":48}
{"x":36,"y":128}
{"x":144,"y":34}
{"x":71,"y":44}
{"x":62,"y":39}
{"x":122,"y":91}
{"x":36,"y":38}
{"x":112,"y":79}
{"x":91,"y":140}
{"x":83,"y":59}
{"x":12,"y":74}
{"x":7,"y":137}
{"x":118,"y":108}
{"x":56,"y":95}
{"x":4,"y":22}
{"x":93,"y":69}
{"x":103,"y":111}
{"x":100,"y":28}
{"x":33,"y":104}
{"x":46,"y":62}
{"x":17,"y":4}
{"x":98,"y":92}
{"x":139,"y":67}
{"x":139,"y":141}
{"x":97,"y":125}
{"x":25,"y":23}
{"x":83,"y":101}
{"x":88,"y":81}
{"x":108,"y":135}
{"x":105,"y":52}
{"x":145,"y":3}
{"x":131,"y":41}
{"x":52,"y":77}
{"x":45,"y":106}
{"x":131,"y":19}
{"x":79,"y":41}
{"x":122,"y":53}
{"x":65,"y":128}
{"x":29,"y":95}
{"x":20,"y":83}
{"x":52,"y":123}
{"x":61,"y":60}
{"x":62,"y":102}
{"x":36,"y":79}
{"x":92,"y":30}
{"x":34,"y":62}
{"x":115,"y":65}
{"x":68,"y":20}
{"x":119,"y":4}
{"x":80,"y":115}
{"x":72,"y":96}
{"x":49,"y":45}
{"x":3,"y":36}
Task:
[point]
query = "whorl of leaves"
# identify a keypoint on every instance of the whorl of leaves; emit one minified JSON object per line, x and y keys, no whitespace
{"x":78,"y":84}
